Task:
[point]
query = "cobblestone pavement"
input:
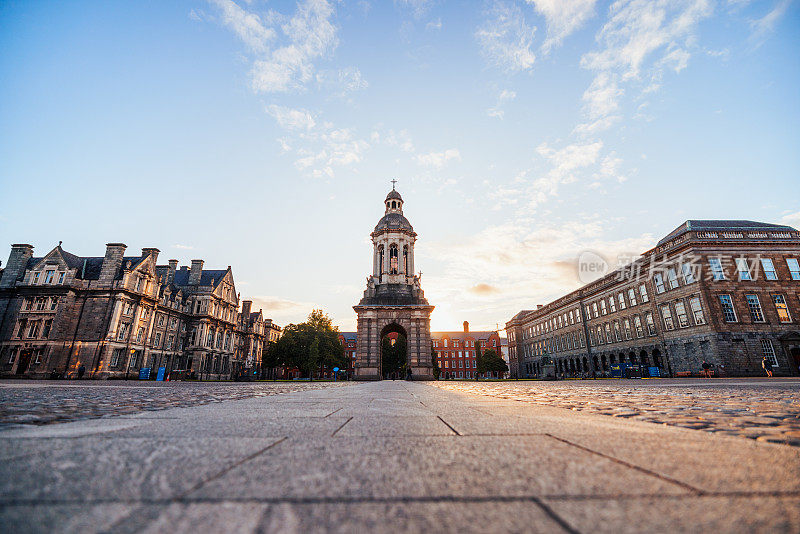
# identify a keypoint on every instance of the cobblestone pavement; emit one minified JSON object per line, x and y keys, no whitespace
{"x":761,"y":409}
{"x":32,"y":402}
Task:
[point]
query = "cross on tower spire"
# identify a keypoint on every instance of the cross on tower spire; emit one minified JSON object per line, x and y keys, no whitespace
{"x":393,"y":182}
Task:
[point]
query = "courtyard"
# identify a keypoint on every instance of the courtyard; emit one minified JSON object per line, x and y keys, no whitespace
{"x":395,"y":456}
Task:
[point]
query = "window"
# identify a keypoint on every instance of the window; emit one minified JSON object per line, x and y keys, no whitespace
{"x":13,"y":355}
{"x":170,"y":341}
{"x":48,"y":277}
{"x":621,"y":299}
{"x":36,"y":277}
{"x":643,"y":293}
{"x":61,"y":276}
{"x":617,"y":333}
{"x":651,"y":325}
{"x":53,"y":303}
{"x":599,"y":335}
{"x":128,"y":308}
{"x":612,"y":304}
{"x":728,"y":312}
{"x":123,"y":330}
{"x":769,"y":351}
{"x":717,"y":272}
{"x":21,"y":328}
{"x":608,"y":334}
{"x":40,"y":304}
{"x":688,"y":275}
{"x":577,"y":315}
{"x":637,"y":324}
{"x":754,"y":305}
{"x":632,"y":296}
{"x":626,"y":325}
{"x":658,"y":280}
{"x":672,"y":277}
{"x":794,"y":268}
{"x":603,"y":307}
{"x":158,"y":339}
{"x":393,"y":259}
{"x":48,"y":324}
{"x":594,"y":309}
{"x":782,"y":308}
{"x":134,"y":357}
{"x":666,"y":314}
{"x":139,"y":334}
{"x":769,"y":269}
{"x":33,"y":329}
{"x":744,"y":269}
{"x":680,"y":312}
{"x":27,"y":304}
{"x":697,"y":310}
{"x":138,"y":284}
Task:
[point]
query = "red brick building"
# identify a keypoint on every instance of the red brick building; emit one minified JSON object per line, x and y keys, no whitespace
{"x":455,"y":351}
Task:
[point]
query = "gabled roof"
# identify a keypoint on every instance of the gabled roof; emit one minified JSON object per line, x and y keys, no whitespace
{"x":709,"y":225}
{"x":461,"y":335}
{"x":208,"y":277}
{"x":348,"y":336}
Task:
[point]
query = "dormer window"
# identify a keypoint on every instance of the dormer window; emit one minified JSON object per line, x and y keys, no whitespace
{"x":36,"y":276}
{"x":48,"y":277}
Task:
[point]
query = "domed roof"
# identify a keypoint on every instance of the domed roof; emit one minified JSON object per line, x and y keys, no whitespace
{"x":394,"y":221}
{"x":393,"y":195}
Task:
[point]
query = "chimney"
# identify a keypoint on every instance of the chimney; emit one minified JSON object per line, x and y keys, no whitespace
{"x":196,"y":272}
{"x":17,"y":262}
{"x":112,"y":261}
{"x":246,"y":306}
{"x":466,"y":326}
{"x":173,"y":265}
{"x":151,"y":251}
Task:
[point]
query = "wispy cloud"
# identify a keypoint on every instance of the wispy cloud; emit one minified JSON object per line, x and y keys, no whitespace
{"x":291,"y":119}
{"x":505,"y":38}
{"x":308,"y":35}
{"x":563,"y":17}
{"x":437,"y":160}
{"x":504,"y":96}
{"x":763,"y":27}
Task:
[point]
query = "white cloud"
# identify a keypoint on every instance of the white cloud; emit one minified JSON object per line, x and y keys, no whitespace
{"x":183,"y":247}
{"x":342,"y":82}
{"x":437,"y":160}
{"x":764,"y":26}
{"x":307,"y":36}
{"x":434,"y":25}
{"x":418,"y":7}
{"x":791,"y":219}
{"x":506,"y":40}
{"x":291,"y":119}
{"x":601,"y":98}
{"x":563,"y":17}
{"x":504,"y":96}
{"x":247,"y":26}
{"x":566,"y":161}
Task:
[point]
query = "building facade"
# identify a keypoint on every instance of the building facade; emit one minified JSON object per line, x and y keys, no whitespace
{"x":724,"y":292}
{"x":393,"y":301}
{"x":110,"y":316}
{"x":456,"y":351}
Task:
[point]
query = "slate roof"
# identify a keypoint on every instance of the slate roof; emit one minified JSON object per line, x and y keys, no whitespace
{"x":706,"y":225}
{"x":208,"y":277}
{"x":394,"y":221}
{"x":348,"y":336}
{"x":393,"y":195}
{"x":461,"y":335}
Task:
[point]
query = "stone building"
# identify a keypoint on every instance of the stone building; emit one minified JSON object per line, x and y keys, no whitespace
{"x":725,"y":292}
{"x":254,"y":333}
{"x":455,"y":351}
{"x":109,"y":316}
{"x":394,"y":300}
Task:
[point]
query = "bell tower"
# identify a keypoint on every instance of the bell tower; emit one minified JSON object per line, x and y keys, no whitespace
{"x":393,"y":300}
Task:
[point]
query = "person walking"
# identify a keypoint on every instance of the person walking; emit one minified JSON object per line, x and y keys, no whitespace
{"x":706,"y":369}
{"x":767,"y":365}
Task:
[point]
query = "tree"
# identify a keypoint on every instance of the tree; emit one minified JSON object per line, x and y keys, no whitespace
{"x":435,"y":362}
{"x":480,"y":361}
{"x":494,"y":362}
{"x":309,"y":346}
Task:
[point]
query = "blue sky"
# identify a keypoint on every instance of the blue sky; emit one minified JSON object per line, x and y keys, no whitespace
{"x":263,"y":135}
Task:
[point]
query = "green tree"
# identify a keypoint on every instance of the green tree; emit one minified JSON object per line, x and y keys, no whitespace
{"x":309,"y":346}
{"x":493,"y":362}
{"x":480,"y":360}
{"x":435,"y":362}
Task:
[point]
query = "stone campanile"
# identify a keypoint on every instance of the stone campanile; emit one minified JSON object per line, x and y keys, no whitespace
{"x":393,"y":301}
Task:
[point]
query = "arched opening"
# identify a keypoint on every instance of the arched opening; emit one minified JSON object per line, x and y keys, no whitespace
{"x":604,"y":362}
{"x":657,"y":357}
{"x":393,"y":259}
{"x":585,"y":365}
{"x":612,"y":359}
{"x":405,"y":259}
{"x":632,"y":357}
{"x":380,"y":260}
{"x":643,"y":358}
{"x":595,"y":363}
{"x":394,"y":356}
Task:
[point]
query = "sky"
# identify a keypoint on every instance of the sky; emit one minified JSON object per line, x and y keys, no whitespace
{"x":522,"y":134}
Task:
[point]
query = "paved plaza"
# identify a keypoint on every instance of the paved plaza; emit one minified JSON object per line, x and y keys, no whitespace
{"x":394,"y":456}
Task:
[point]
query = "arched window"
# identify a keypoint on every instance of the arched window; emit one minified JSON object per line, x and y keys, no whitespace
{"x":393,"y":259}
{"x":405,"y":259}
{"x":380,"y":259}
